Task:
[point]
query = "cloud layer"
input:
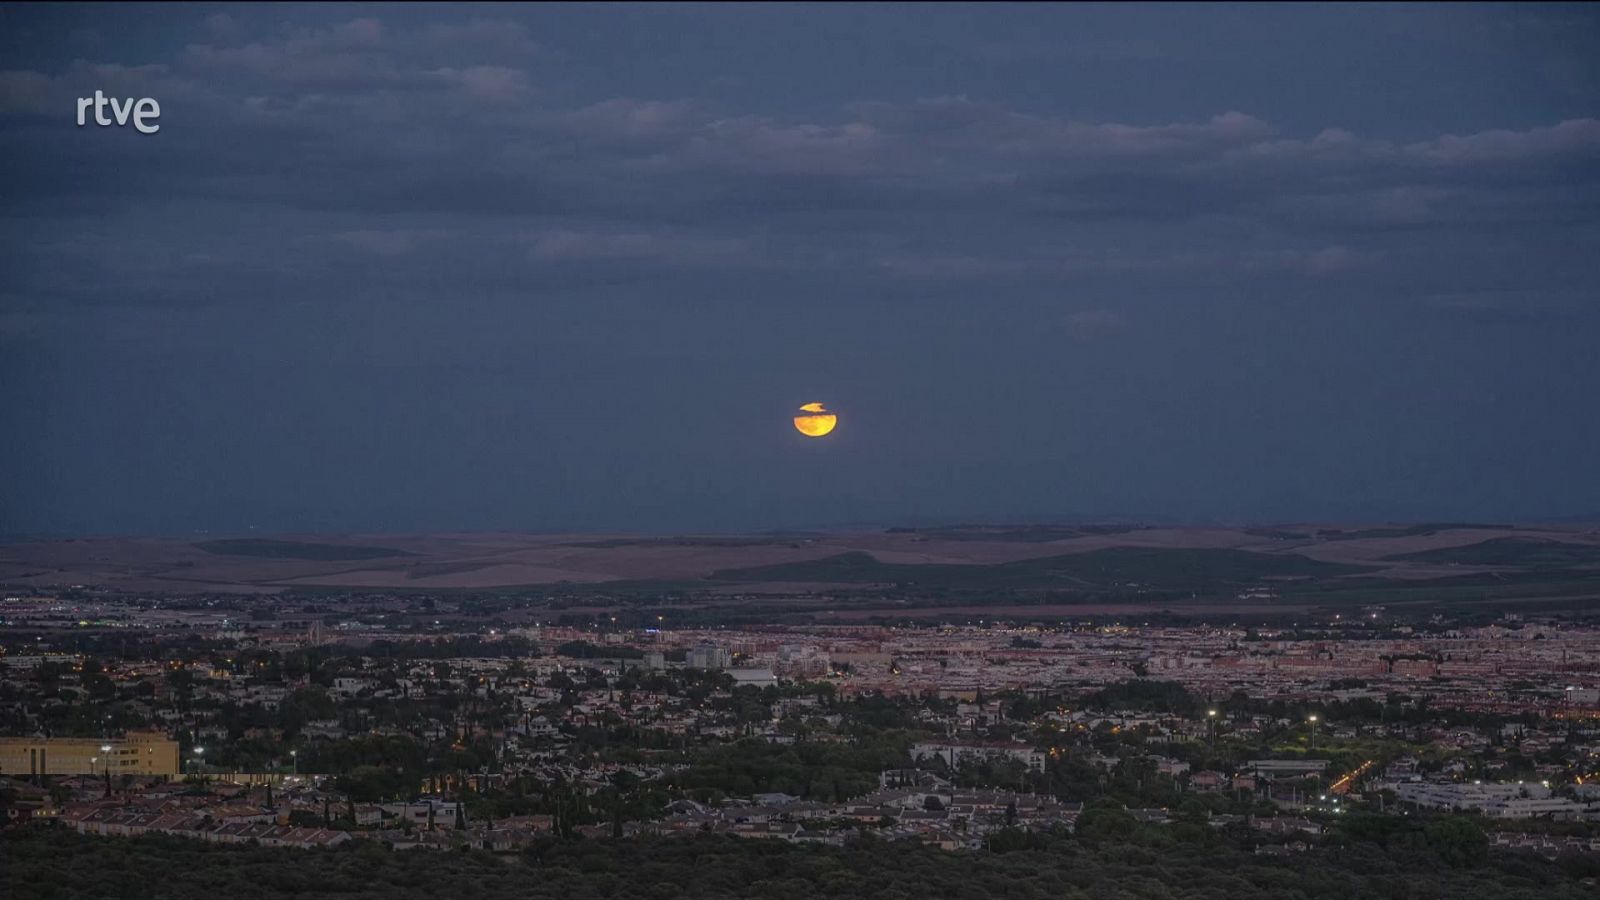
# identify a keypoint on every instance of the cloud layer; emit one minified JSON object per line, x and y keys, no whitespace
{"x":348,"y":218}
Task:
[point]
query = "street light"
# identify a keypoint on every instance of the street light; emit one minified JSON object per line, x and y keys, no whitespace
{"x":1313,"y":720}
{"x":294,"y":759}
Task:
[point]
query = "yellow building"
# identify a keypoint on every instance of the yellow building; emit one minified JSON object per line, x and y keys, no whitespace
{"x":139,"y":753}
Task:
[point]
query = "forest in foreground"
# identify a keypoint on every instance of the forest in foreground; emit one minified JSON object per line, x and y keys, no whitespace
{"x":41,"y":863}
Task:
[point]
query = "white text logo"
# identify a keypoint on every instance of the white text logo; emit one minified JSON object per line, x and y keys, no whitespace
{"x":143,"y":112}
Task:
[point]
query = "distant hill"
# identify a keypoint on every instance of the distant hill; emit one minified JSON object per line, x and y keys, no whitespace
{"x":1162,"y":568}
{"x":1025,"y":533}
{"x":271,"y":549}
{"x":1339,"y":534}
{"x":960,"y":558}
{"x":1511,"y":551}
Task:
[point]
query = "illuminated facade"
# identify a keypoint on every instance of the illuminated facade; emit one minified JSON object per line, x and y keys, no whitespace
{"x":139,"y":753}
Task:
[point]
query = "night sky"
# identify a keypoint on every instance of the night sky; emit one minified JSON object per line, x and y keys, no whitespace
{"x":574,"y":268}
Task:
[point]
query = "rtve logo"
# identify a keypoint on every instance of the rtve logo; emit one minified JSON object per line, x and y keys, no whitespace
{"x":141,"y":111}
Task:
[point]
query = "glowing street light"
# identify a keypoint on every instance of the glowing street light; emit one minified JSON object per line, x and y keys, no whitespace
{"x":1313,"y":720}
{"x":294,"y":759}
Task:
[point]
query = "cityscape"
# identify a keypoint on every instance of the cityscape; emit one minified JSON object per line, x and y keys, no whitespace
{"x":509,"y":721}
{"x":799,"y":451}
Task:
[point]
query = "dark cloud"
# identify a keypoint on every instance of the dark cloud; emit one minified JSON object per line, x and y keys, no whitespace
{"x":414,"y":267}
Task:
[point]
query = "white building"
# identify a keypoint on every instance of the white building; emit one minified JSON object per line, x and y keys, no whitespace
{"x":707,"y":656}
{"x":953,"y":753}
{"x":1509,"y":800}
{"x":752,"y":677}
{"x":444,"y":812}
{"x":801,"y":661}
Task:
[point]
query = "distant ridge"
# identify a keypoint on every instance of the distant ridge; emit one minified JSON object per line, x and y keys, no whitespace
{"x":275,"y":549}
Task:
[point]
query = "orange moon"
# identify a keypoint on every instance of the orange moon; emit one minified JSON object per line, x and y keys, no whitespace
{"x":816,"y":422}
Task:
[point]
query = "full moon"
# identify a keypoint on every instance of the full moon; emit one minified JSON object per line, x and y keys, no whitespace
{"x":816,"y":422}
